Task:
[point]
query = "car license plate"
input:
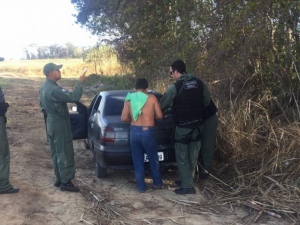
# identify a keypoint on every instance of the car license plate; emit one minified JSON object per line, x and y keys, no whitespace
{"x":160,"y":157}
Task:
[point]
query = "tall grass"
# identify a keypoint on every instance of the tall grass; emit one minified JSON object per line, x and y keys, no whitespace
{"x":71,"y":67}
{"x":258,"y":155}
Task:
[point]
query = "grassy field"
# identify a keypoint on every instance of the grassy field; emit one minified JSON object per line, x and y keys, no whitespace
{"x":114,"y":75}
{"x":34,"y":68}
{"x":71,"y":67}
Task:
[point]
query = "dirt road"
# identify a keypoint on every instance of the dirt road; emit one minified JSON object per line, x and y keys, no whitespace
{"x":113,"y":200}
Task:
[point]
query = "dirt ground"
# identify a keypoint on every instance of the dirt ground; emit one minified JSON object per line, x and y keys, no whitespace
{"x":113,"y":200}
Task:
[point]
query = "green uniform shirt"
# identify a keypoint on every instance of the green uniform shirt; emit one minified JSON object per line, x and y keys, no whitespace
{"x":167,"y":100}
{"x":54,"y":99}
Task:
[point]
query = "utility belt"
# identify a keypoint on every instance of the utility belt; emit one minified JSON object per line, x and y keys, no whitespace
{"x":189,"y":124}
{"x":188,"y":138}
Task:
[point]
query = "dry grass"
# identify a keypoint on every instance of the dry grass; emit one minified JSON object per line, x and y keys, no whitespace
{"x":71,"y":67}
{"x":260,"y":158}
{"x":104,"y":208}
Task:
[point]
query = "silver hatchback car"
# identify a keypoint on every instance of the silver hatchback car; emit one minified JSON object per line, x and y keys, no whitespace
{"x":107,"y":136}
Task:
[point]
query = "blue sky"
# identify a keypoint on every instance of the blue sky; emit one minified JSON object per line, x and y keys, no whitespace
{"x":41,"y":22}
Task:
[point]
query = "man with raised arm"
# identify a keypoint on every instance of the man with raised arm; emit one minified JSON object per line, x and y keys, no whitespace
{"x":54,"y":99}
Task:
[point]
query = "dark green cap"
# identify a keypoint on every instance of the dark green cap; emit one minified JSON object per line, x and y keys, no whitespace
{"x":50,"y":67}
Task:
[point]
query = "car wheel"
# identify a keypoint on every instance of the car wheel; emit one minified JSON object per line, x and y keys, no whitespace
{"x":99,"y":170}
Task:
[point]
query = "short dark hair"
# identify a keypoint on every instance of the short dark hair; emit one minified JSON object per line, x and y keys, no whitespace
{"x":178,"y":65}
{"x":141,"y":83}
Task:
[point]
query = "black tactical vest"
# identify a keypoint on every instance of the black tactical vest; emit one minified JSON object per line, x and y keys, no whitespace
{"x":188,"y":103}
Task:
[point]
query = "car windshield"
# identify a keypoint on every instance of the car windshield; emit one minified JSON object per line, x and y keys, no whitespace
{"x":114,"y":105}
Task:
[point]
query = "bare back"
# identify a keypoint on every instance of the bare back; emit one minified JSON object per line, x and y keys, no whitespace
{"x":150,"y":111}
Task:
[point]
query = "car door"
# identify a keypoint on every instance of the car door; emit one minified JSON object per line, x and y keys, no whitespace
{"x":78,"y":120}
{"x":92,"y":125}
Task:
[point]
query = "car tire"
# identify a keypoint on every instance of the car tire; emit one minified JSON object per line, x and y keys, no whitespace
{"x":99,"y":170}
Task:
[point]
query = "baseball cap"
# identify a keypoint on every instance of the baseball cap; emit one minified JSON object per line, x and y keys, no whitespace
{"x":50,"y":67}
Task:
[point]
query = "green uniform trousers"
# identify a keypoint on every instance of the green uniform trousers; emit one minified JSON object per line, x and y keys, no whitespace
{"x":61,"y":145}
{"x":208,"y":143}
{"x":186,"y":155}
{"x":4,"y":157}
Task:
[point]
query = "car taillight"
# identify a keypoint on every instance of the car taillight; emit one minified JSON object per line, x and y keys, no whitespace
{"x":107,"y":135}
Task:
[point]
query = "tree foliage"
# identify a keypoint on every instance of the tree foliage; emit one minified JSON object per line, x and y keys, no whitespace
{"x":249,"y":46}
{"x":53,"y":51}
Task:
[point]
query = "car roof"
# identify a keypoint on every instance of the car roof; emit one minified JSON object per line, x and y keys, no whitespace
{"x":123,"y":93}
{"x":116,"y":92}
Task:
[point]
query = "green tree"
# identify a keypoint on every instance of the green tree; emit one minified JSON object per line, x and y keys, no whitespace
{"x":247,"y":45}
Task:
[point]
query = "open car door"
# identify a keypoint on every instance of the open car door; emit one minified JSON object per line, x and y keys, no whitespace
{"x":78,"y":119}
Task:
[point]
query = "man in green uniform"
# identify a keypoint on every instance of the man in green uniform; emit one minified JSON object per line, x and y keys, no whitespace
{"x":208,"y":140}
{"x":187,"y":96}
{"x":5,"y":186}
{"x":54,"y":99}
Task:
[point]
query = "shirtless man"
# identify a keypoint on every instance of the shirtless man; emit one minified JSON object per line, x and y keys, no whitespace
{"x":141,"y":110}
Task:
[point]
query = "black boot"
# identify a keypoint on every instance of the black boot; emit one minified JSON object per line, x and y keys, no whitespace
{"x":69,"y":186}
{"x":12,"y":190}
{"x":185,"y":191}
{"x":57,"y":183}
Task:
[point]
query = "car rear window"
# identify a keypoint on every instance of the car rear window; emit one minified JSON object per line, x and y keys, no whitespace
{"x":114,"y":105}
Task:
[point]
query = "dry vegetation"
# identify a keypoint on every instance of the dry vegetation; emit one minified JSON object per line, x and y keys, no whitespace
{"x":260,"y":159}
{"x":71,"y":67}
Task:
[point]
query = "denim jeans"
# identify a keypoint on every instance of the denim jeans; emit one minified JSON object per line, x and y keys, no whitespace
{"x":142,"y":140}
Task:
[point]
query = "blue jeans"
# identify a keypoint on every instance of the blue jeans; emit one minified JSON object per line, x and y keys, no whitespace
{"x":142,"y":140}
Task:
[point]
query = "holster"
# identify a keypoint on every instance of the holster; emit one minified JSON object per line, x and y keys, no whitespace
{"x":209,"y":110}
{"x":188,"y":138}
